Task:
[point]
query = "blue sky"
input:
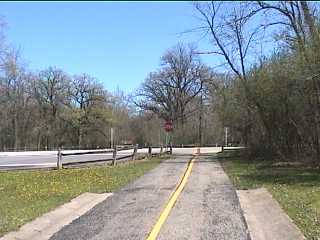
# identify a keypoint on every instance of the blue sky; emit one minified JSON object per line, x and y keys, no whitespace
{"x":119,"y":43}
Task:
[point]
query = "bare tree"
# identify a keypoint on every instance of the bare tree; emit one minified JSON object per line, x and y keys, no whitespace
{"x":85,"y":92}
{"x":168,"y":91}
{"x":299,"y":31}
{"x":15,"y":97}
{"x":50,"y":92}
{"x":233,"y":38}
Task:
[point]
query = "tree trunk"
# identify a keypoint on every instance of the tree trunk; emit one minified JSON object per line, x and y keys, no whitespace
{"x":39,"y":140}
{"x":200,"y":120}
{"x":80,"y":134}
{"x":16,"y":132}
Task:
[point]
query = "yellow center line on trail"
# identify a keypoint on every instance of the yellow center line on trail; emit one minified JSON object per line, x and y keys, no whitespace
{"x":172,"y":200}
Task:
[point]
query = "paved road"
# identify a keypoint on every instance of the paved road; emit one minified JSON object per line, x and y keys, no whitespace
{"x":53,"y":158}
{"x":207,"y":208}
{"x":49,"y":158}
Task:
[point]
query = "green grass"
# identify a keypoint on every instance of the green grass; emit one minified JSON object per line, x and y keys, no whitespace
{"x":25,"y":195}
{"x":296,"y":188}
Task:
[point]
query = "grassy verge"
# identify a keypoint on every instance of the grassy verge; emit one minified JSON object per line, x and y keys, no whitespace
{"x":25,"y":195}
{"x":296,"y":188}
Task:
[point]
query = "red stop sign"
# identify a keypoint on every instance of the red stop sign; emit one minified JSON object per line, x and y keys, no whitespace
{"x":168,"y":126}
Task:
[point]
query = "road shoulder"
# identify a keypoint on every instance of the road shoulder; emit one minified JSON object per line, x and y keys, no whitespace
{"x":44,"y":227}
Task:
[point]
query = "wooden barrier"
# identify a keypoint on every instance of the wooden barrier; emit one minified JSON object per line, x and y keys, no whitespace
{"x":150,"y":151}
{"x":135,"y":150}
{"x":59,"y":160}
{"x":114,"y":156}
{"x":114,"y":152}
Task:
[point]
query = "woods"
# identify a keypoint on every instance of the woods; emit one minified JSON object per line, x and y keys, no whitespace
{"x":177,"y":92}
{"x":273,"y":98}
{"x":265,"y":88}
{"x":49,"y":109}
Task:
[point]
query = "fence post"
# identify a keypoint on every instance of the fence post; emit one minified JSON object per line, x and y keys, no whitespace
{"x":170,"y":149}
{"x":114,"y":156}
{"x":198,"y":150}
{"x":150,"y":151}
{"x":161,"y":150}
{"x":59,"y":160}
{"x":135,"y":149}
{"x":222,"y":148}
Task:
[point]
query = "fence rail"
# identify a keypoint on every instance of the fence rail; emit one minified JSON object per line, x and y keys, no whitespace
{"x":82,"y":157}
{"x":112,"y":158}
{"x":84,"y":153}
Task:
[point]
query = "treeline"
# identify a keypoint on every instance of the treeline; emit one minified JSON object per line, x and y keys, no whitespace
{"x":265,"y":90}
{"x":179,"y":91}
{"x":51,"y":108}
{"x":271,"y":100}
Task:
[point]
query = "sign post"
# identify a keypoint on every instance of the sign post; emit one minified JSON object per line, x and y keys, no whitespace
{"x":111,"y":137}
{"x":226,"y":136}
{"x":168,"y":127}
{"x":167,"y":138}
